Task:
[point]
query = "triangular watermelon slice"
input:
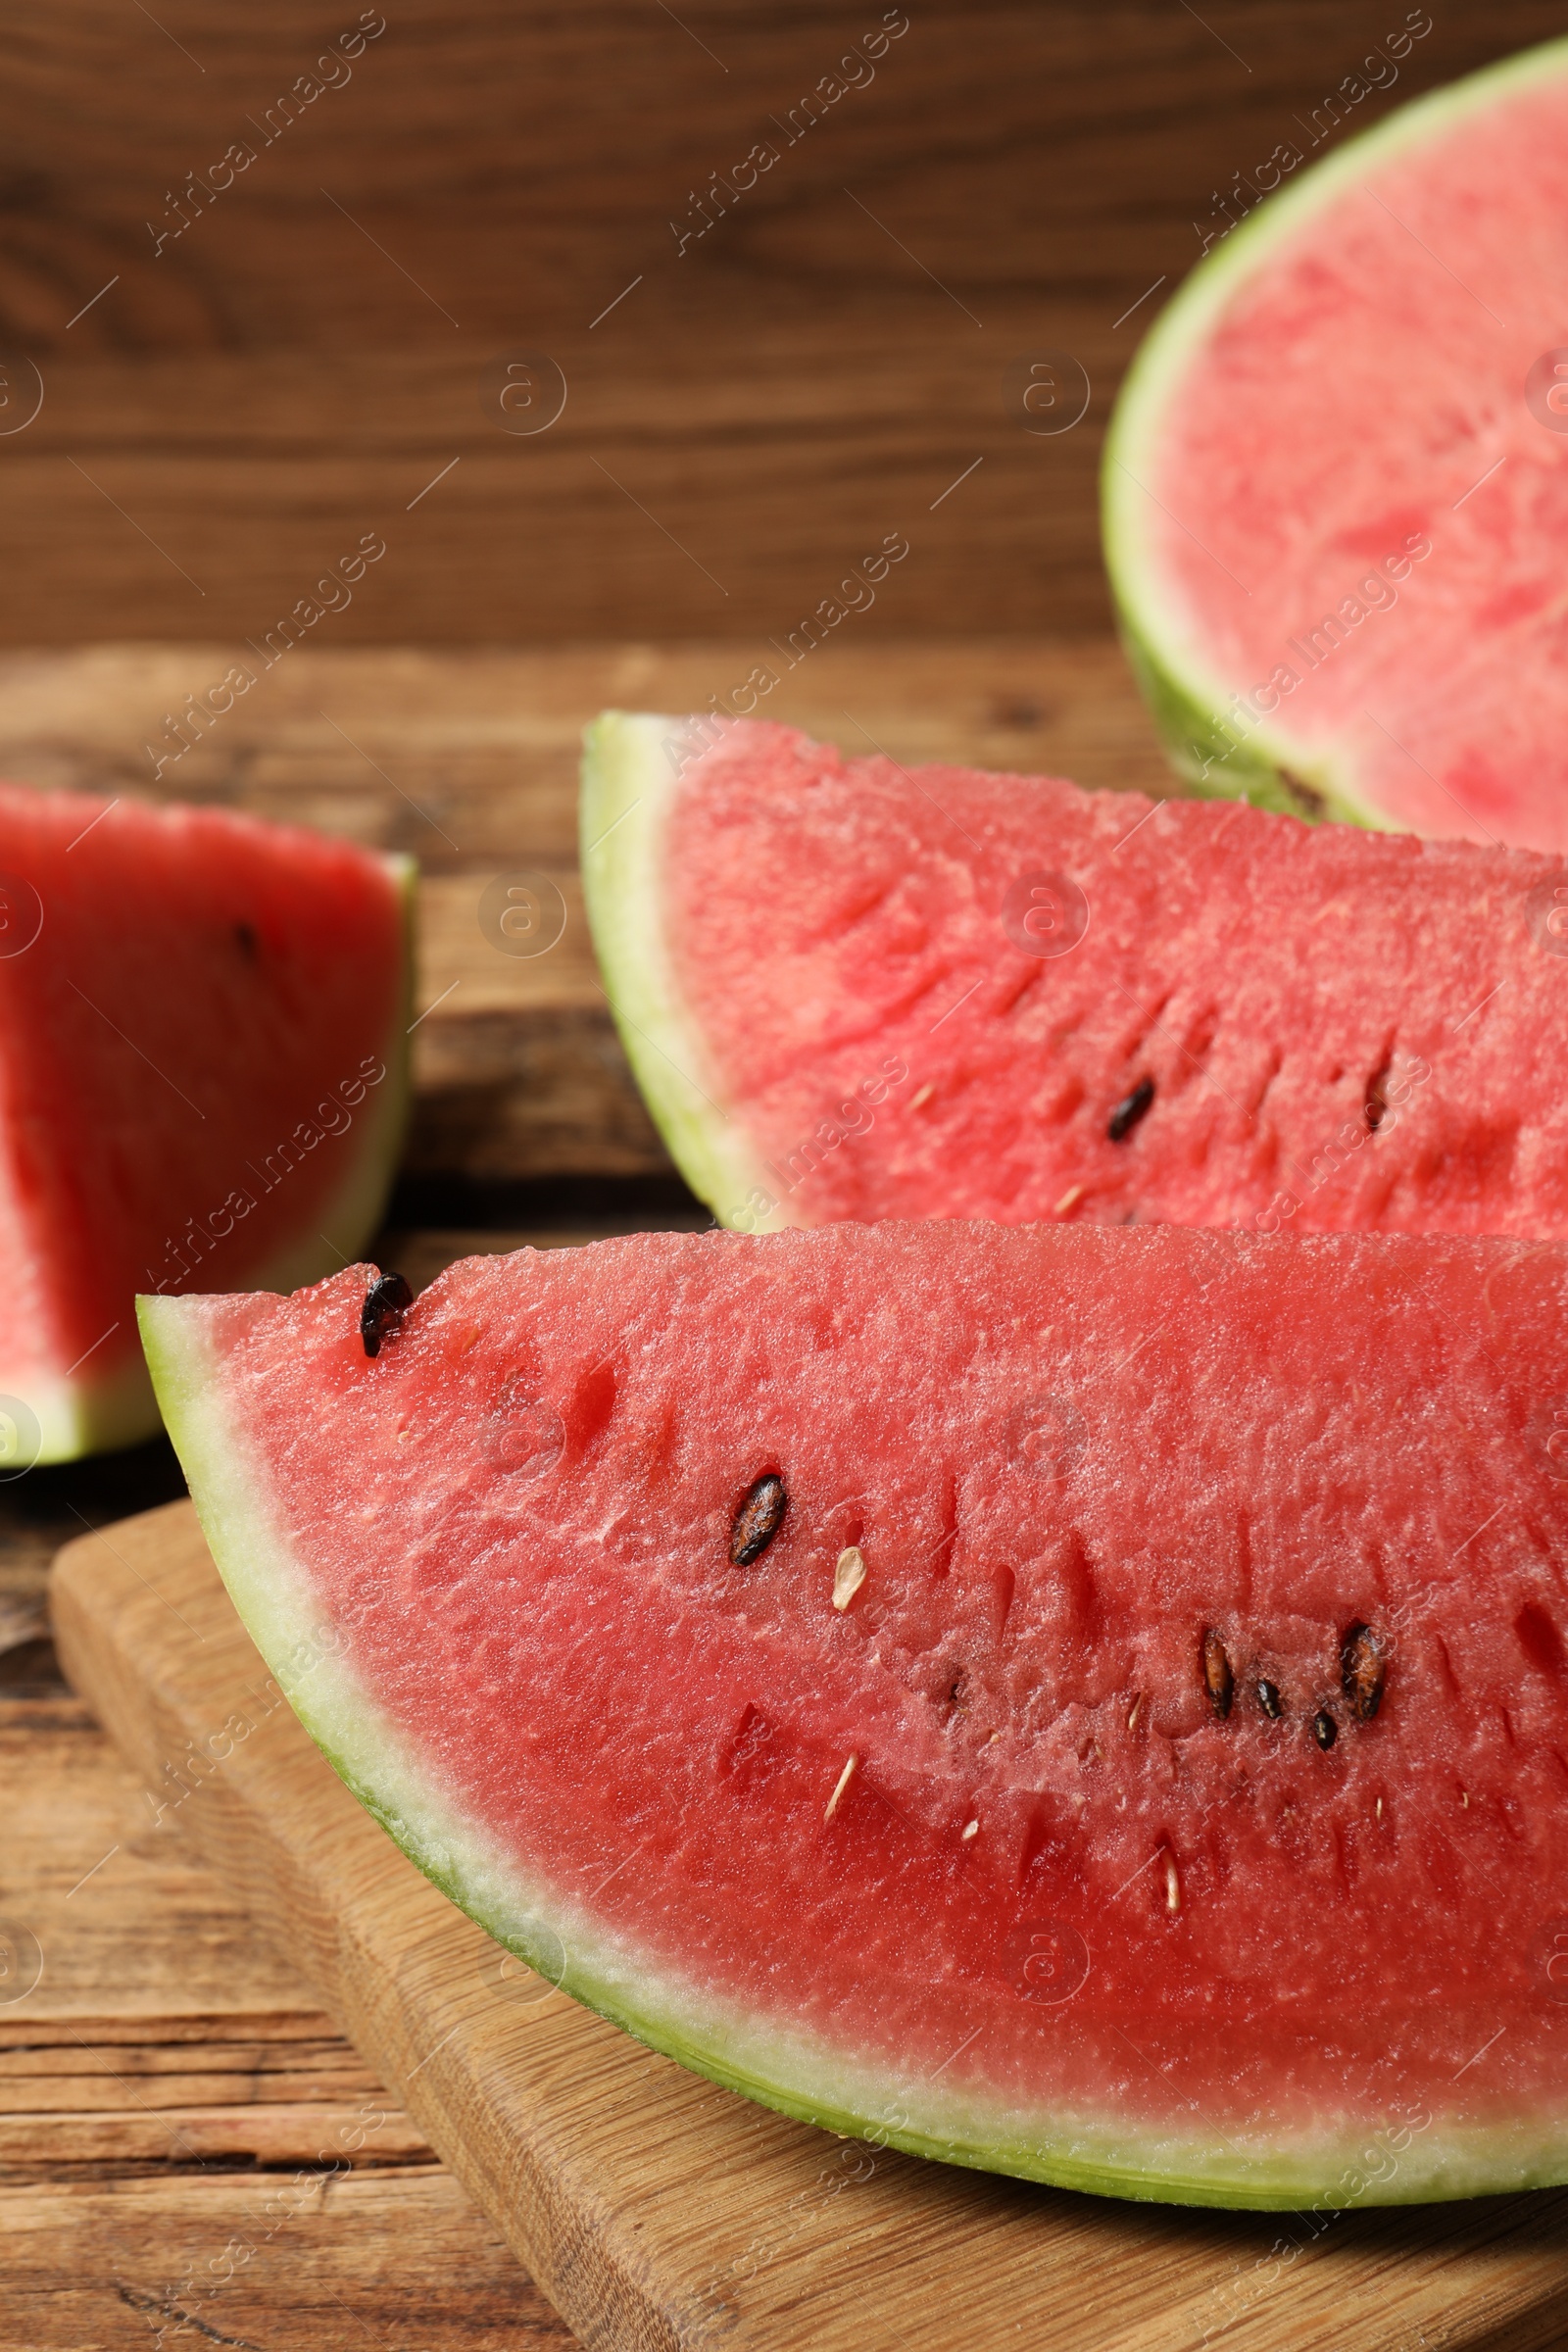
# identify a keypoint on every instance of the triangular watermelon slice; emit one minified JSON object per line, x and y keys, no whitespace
{"x":203,"y":1083}
{"x":853,"y":990}
{"x":1089,"y":1704}
{"x":1335,"y":484}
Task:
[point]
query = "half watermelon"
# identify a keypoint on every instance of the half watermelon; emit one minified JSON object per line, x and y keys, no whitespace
{"x":853,"y":990}
{"x":1092,"y":1705}
{"x":202,"y":1084}
{"x":1335,"y":484}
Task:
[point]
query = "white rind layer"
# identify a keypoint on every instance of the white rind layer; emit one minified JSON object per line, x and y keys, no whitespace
{"x":1189,"y":697}
{"x":631,"y":771}
{"x":770,"y":2060}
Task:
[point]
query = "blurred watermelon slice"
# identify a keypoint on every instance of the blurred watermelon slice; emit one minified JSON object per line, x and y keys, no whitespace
{"x":852,"y":990}
{"x":1335,"y":485}
{"x":201,"y":1084}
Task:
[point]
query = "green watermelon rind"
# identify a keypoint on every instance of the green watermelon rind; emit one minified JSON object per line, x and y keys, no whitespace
{"x":85,"y":1417}
{"x":630,"y":780}
{"x":780,"y":2067}
{"x":1271,"y":769}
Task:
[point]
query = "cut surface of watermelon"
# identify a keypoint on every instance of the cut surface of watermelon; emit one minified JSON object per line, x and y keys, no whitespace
{"x":855,"y":991}
{"x":202,"y":1083}
{"x":1335,"y":485}
{"x":1137,"y":1760}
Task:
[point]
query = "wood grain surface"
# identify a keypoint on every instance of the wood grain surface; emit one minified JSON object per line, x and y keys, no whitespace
{"x":190,"y":2150}
{"x":241,"y":379}
{"x":656,"y":2211}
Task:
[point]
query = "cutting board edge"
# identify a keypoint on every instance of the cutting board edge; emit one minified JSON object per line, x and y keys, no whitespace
{"x":597,"y":2292}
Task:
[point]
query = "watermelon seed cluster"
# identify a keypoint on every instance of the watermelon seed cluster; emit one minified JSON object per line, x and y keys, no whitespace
{"x":1363,"y":1669}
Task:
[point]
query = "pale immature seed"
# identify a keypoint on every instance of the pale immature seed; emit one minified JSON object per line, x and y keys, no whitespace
{"x":1173,"y":1885}
{"x":844,"y":1780}
{"x":971,"y":1829}
{"x":848,"y":1577}
{"x":1218,"y":1679}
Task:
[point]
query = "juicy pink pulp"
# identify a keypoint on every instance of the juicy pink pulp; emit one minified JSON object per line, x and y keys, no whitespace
{"x":188,"y":1050}
{"x":1064,"y":1456}
{"x":1361,"y":401}
{"x":1343,"y":1030}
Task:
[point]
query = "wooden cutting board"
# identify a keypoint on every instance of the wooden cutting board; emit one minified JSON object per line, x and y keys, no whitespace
{"x":655,"y":2210}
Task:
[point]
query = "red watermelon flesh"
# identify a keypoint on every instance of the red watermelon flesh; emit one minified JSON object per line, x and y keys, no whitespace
{"x":855,"y":990}
{"x":202,"y":1082}
{"x":1337,"y":483}
{"x":1175,"y":1806}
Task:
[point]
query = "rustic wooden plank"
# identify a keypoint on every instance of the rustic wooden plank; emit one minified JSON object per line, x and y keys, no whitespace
{"x":297,"y":2261}
{"x":658,"y":2211}
{"x":129,"y":1935}
{"x":74,"y":2078}
{"x":295,"y":365}
{"x":310,"y":2132}
{"x":467,"y":759}
{"x":169,"y":2089}
{"x":299,"y":2068}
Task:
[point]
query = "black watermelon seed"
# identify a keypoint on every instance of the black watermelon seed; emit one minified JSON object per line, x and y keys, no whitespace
{"x":1129,"y":1111}
{"x":245,"y":935}
{"x":1362,"y":1668}
{"x":1325,"y":1731}
{"x":387,"y":1302}
{"x":758,"y":1521}
{"x":1268,"y":1699}
{"x":1218,"y":1681}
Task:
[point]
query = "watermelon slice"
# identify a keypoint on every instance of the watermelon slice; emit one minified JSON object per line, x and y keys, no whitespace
{"x":1335,"y":485}
{"x":852,"y":990}
{"x":1093,"y":1705}
{"x":202,"y":1083}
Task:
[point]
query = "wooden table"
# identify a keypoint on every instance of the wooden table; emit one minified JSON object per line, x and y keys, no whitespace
{"x":170,"y":2094}
{"x":316,"y":352}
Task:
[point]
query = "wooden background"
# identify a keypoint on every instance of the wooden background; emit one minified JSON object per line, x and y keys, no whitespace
{"x":236,"y":410}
